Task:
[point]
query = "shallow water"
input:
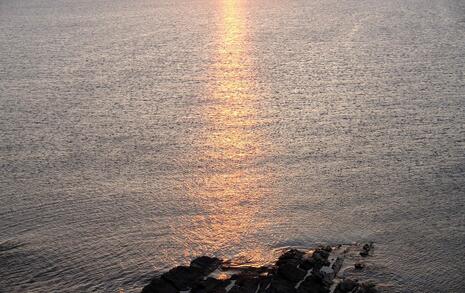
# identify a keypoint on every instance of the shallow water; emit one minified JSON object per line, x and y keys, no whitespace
{"x":136,"y":135}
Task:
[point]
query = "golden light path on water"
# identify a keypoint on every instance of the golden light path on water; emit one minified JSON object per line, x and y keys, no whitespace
{"x":231,"y":189}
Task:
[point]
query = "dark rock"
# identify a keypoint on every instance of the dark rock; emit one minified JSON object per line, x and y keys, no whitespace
{"x":337,"y":265}
{"x":183,"y":277}
{"x":159,"y":285}
{"x":291,"y":272}
{"x":327,"y":248}
{"x":246,"y":283}
{"x":366,"y":249}
{"x":238,"y":289}
{"x":241,"y":289}
{"x":327,"y":274}
{"x":290,"y":255}
{"x":210,"y":285}
{"x":206,"y":263}
{"x":313,"y":284}
{"x":265,"y":281}
{"x":307,"y":264}
{"x":320,"y":259}
{"x":253,"y":271}
{"x":320,"y":253}
{"x":280,"y":285}
{"x":293,"y":253}
{"x":347,"y":285}
{"x":364,"y":253}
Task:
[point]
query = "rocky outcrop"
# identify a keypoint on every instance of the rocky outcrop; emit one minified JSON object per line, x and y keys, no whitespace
{"x":295,"y":271}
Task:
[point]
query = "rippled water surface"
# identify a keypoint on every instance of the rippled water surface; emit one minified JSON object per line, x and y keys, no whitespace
{"x":136,"y":135}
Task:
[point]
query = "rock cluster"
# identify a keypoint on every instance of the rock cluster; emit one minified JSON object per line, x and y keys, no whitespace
{"x":295,"y":271}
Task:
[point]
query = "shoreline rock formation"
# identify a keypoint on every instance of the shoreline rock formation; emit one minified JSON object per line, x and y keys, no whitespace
{"x":295,"y":271}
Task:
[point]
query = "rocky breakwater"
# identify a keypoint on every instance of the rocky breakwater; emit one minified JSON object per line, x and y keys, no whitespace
{"x":295,"y":271}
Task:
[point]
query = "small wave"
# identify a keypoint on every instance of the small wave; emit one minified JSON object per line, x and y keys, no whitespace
{"x":10,"y":245}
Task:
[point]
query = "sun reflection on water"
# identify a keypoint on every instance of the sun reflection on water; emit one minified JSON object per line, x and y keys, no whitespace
{"x":231,"y":190}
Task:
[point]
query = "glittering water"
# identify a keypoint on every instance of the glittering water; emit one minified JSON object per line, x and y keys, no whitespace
{"x":136,"y":135}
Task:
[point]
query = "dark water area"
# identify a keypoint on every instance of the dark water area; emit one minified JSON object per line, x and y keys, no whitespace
{"x":137,"y":135}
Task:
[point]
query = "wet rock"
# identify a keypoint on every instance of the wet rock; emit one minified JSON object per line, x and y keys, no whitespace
{"x":291,"y":272}
{"x":206,"y":264}
{"x":183,"y":277}
{"x":347,"y":285}
{"x":159,"y":285}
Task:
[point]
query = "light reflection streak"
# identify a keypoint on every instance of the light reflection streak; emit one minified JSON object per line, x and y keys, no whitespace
{"x":231,"y":190}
